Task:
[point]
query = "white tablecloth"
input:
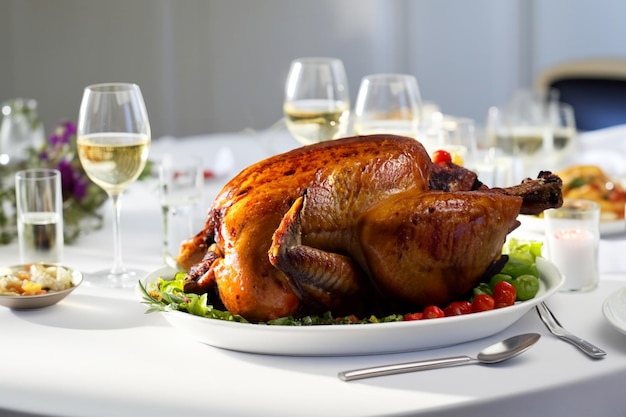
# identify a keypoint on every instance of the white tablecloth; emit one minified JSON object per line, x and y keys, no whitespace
{"x":98,"y":354}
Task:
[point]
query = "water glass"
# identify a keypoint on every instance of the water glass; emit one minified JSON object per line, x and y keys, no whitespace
{"x":39,"y":215}
{"x":388,"y":104}
{"x":572,"y":241}
{"x":181,"y":185}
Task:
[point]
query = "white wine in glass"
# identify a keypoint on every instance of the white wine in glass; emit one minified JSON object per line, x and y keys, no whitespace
{"x":113,"y":139}
{"x":317,"y":102}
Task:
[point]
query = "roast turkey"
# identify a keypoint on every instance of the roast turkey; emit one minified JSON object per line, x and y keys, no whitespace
{"x":361,"y":225}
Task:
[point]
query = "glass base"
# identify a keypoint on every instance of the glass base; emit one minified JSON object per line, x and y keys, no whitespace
{"x":587,"y":288}
{"x":126,"y":278}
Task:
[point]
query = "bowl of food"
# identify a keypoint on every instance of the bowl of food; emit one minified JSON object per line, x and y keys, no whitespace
{"x":38,"y":285}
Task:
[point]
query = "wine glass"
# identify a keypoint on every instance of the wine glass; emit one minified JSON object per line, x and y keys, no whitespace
{"x":181,"y":186}
{"x":457,"y":135}
{"x":113,"y":137}
{"x":521,"y":130}
{"x":388,"y":103}
{"x":317,"y":102}
{"x":562,"y":120}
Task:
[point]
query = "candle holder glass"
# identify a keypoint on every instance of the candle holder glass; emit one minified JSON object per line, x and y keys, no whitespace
{"x":572,"y":240}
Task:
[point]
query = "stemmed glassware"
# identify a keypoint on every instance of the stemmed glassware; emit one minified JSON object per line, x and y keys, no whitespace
{"x":317,"y":101}
{"x":388,"y":103}
{"x":453,"y":134}
{"x":113,"y":138}
{"x":563,"y":122}
{"x":181,"y":185}
{"x":534,"y":130}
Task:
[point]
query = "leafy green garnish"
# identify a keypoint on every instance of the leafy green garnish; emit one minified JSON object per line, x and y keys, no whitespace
{"x":578,"y":182}
{"x":523,"y":248}
{"x":169,"y":295}
{"x":328,"y":318}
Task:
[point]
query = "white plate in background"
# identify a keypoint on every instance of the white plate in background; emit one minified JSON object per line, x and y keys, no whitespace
{"x":614,"y":309}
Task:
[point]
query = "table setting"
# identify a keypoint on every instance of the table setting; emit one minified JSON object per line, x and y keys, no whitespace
{"x":110,"y":348}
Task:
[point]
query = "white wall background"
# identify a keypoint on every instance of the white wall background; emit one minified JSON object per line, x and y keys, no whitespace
{"x":219,"y":65}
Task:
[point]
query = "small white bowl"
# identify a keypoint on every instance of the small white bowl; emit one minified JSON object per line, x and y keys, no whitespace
{"x":26,"y":302}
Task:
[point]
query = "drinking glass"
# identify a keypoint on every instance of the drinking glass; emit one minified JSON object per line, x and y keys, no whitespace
{"x":181,"y":185}
{"x":525,"y":130}
{"x":388,"y":103}
{"x":113,"y":138}
{"x":317,"y":102}
{"x":562,"y":120}
{"x":459,"y":138}
{"x":20,"y":130}
{"x":39,"y":203}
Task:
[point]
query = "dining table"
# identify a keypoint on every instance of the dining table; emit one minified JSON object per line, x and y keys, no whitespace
{"x":99,"y":352}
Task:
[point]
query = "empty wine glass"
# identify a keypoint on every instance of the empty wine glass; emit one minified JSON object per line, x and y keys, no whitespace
{"x":388,"y":103}
{"x":317,"y":102}
{"x":113,"y":137}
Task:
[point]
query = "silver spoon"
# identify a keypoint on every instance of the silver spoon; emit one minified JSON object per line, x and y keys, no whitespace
{"x":498,"y":352}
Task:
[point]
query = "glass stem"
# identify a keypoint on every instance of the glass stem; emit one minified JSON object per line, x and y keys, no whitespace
{"x":166,"y":243}
{"x":117,"y":236}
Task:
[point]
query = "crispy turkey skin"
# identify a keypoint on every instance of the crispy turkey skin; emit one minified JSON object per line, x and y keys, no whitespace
{"x":360,"y":224}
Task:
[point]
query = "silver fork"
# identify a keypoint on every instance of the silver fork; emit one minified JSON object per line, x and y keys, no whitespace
{"x":556,"y":329}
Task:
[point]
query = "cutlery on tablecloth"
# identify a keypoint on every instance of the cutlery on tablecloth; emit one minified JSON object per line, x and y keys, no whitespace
{"x":556,"y":329}
{"x":495,"y":353}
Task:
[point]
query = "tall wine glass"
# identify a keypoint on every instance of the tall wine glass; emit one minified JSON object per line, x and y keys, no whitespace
{"x":563,"y":122}
{"x":317,"y":102}
{"x":388,"y":103}
{"x":113,"y":138}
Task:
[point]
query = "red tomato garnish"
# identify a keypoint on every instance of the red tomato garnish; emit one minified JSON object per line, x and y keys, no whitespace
{"x":504,"y":294}
{"x":413,"y":316}
{"x":482,"y":302}
{"x":347,"y":319}
{"x":440,"y":156}
{"x":457,"y":308}
{"x":433,"y":312}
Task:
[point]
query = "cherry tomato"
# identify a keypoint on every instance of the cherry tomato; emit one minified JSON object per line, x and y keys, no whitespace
{"x":413,"y":316}
{"x":504,"y":294}
{"x":432,"y":312}
{"x":347,"y":319}
{"x":440,"y":156}
{"x":457,"y":308}
{"x":482,"y":302}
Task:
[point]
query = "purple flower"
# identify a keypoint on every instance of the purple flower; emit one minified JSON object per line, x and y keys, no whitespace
{"x":44,"y":156}
{"x":71,"y":182}
{"x":62,"y":133}
{"x":80,"y":188}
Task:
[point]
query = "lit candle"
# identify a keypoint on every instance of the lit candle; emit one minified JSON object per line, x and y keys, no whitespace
{"x":575,"y":253}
